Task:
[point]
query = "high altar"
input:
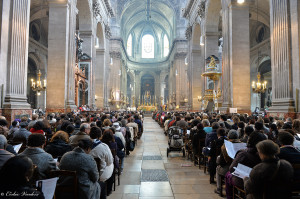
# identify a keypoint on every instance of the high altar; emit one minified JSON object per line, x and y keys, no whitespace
{"x":148,"y":102}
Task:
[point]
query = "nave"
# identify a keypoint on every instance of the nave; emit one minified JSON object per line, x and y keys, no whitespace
{"x":150,"y":158}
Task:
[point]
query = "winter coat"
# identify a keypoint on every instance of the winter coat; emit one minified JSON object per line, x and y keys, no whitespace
{"x":44,"y":161}
{"x":263,"y":181}
{"x":86,"y":170}
{"x":21,"y":135}
{"x":4,"y":156}
{"x":58,"y":148}
{"x":210,"y":137}
{"x":73,"y":140}
{"x":248,"y":157}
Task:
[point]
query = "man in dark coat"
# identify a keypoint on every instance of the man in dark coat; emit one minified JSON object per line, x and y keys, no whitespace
{"x":4,"y":155}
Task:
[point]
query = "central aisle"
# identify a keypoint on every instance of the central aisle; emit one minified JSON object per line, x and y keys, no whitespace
{"x":149,"y":174}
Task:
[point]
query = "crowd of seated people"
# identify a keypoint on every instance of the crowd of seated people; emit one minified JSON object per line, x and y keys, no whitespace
{"x":92,"y":145}
{"x":272,"y":151}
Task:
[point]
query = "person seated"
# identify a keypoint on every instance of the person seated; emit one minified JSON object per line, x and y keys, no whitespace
{"x":248,"y":131}
{"x":120,"y":148}
{"x":33,"y":121}
{"x":197,"y":137}
{"x":247,"y":157}
{"x":134,"y":126}
{"x":214,"y":141}
{"x":15,"y":126}
{"x":206,"y":126}
{"x":288,"y":152}
{"x":38,"y":128}
{"x":4,"y":155}
{"x":224,"y":160}
{"x":118,"y":132}
{"x":3,"y":127}
{"x":22,"y":134}
{"x":86,"y":169}
{"x":43,"y":160}
{"x":15,"y":176}
{"x":58,"y":145}
{"x":82,"y":134}
{"x":272,"y":177}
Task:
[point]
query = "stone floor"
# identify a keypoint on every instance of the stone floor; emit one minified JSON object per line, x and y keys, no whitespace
{"x":145,"y":170}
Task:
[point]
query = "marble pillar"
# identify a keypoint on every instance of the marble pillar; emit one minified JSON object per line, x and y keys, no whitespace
{"x":236,"y":57}
{"x":15,"y":58}
{"x":282,"y":84}
{"x":295,"y":36}
{"x":61,"y":56}
{"x":197,"y":64}
{"x":99,"y":78}
{"x":114,"y":80}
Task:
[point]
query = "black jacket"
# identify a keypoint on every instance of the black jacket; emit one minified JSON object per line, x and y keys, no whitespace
{"x":58,"y":148}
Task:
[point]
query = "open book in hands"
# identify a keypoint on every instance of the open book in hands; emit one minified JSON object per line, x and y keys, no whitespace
{"x":241,"y":171}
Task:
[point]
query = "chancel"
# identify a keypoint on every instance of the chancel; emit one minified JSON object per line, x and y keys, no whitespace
{"x":150,"y":98}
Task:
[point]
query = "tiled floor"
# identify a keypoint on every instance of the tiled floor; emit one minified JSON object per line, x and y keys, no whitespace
{"x":184,"y":182}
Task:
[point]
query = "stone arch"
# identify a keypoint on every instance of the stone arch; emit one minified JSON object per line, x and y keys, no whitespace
{"x":85,"y":15}
{"x":100,"y":35}
{"x":212,"y":15}
{"x":196,"y":35}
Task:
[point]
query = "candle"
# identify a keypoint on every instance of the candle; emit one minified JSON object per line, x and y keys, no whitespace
{"x":45,"y":84}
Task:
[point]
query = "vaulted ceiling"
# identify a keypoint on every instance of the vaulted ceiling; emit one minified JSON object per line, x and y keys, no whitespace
{"x":134,"y":18}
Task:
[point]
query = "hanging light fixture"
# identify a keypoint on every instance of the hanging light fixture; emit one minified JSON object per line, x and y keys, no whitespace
{"x":37,"y":86}
{"x":241,"y":1}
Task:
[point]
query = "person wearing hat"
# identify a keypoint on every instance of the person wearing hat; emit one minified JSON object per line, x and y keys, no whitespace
{"x":118,"y":133}
{"x":22,"y":134}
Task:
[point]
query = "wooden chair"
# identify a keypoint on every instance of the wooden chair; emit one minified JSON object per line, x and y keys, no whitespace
{"x":199,"y":158}
{"x":117,"y":171}
{"x":222,"y":183}
{"x":238,"y":193}
{"x":296,"y":183}
{"x":63,"y":189}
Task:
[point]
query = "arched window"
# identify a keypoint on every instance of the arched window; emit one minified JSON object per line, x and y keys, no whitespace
{"x":166,"y":46}
{"x":148,"y":46}
{"x":129,"y":45}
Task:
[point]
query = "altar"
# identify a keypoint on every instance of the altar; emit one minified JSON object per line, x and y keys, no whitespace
{"x":145,"y":108}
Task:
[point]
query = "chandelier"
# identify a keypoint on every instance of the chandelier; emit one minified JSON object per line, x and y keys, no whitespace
{"x":259,"y":87}
{"x":37,"y":85}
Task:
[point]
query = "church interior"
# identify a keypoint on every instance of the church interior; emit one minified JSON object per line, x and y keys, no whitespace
{"x":151,"y":61}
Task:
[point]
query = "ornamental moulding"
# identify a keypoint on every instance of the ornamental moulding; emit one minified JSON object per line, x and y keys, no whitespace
{"x":201,"y":9}
{"x":96,"y":10}
{"x":115,"y":54}
{"x":107,"y":31}
{"x":109,"y":9}
{"x":187,"y":10}
{"x":180,"y":55}
{"x":188,"y":32}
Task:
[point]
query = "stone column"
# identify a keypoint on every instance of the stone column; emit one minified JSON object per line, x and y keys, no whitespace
{"x":61,"y":56}
{"x":99,"y":77}
{"x":137,"y":87}
{"x":15,"y":56}
{"x":295,"y":32}
{"x":114,"y":77}
{"x":197,"y":64}
{"x":282,"y":84}
{"x":226,"y":90}
{"x":236,"y":57}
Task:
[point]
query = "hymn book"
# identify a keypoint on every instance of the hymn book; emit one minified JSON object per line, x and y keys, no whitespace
{"x":241,"y":171}
{"x":233,"y":148}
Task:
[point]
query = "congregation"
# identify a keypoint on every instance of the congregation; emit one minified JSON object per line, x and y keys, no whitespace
{"x":92,"y":146}
{"x":272,"y":152}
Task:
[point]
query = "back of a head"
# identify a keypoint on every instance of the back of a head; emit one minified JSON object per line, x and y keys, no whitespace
{"x":14,"y":123}
{"x":289,"y":119}
{"x":34,"y":116}
{"x":249,"y":130}
{"x":254,"y":138}
{"x":259,"y":126}
{"x":64,"y":125}
{"x":223,"y":117}
{"x":205,"y":122}
{"x":95,"y":132}
{"x":285,"y":138}
{"x":3,"y":122}
{"x":84,"y":126}
{"x":39,"y":125}
{"x":200,"y":126}
{"x":16,"y":171}
{"x":221,"y":132}
{"x":215,"y":125}
{"x":60,"y":135}
{"x":70,"y":129}
{"x":85,"y":144}
{"x":3,"y":142}
{"x":232,"y":134}
{"x":241,"y":125}
{"x":268,"y":148}
{"x":107,"y":136}
{"x":36,"y":140}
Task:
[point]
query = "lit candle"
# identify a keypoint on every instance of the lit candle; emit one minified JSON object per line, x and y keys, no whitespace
{"x":45,"y":84}
{"x":253,"y":84}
